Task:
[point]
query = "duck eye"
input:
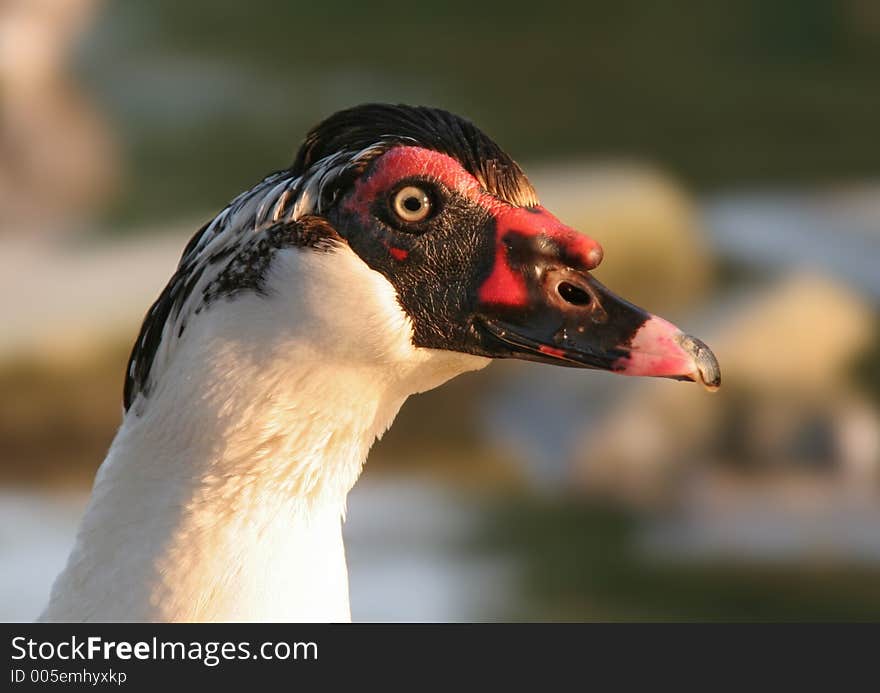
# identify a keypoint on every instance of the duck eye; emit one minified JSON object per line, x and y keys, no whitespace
{"x":411,"y":204}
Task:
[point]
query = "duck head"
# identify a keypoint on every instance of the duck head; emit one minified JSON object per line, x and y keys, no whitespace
{"x":429,"y":242}
{"x":477,"y":264}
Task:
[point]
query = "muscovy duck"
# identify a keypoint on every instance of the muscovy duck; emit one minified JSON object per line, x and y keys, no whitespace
{"x":402,"y":248}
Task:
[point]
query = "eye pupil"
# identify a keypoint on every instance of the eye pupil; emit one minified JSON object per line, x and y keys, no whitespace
{"x":413,"y":204}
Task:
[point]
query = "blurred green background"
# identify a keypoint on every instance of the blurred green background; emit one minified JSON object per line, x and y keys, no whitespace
{"x":724,"y":153}
{"x":209,"y":96}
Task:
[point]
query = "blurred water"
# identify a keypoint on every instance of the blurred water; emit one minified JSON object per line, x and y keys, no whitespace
{"x":412,"y":570}
{"x":769,"y":534}
{"x":832,"y":231}
{"x":768,"y":524}
{"x":36,"y":533}
{"x":408,"y":545}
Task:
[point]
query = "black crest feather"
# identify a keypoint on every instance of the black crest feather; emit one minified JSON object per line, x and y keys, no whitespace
{"x":432,"y":128}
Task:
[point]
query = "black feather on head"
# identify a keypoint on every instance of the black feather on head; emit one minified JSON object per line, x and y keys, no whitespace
{"x":363,"y":126}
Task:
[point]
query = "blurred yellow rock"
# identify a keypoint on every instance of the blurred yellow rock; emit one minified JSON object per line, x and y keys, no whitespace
{"x":798,"y":336}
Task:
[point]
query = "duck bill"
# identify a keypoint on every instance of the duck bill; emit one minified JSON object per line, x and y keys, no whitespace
{"x":662,"y":350}
{"x":573,"y":320}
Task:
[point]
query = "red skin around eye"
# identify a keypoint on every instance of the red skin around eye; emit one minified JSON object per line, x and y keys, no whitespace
{"x":404,"y":162}
{"x":505,"y":285}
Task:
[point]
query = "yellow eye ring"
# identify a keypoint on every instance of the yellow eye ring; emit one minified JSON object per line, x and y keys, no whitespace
{"x":411,"y":204}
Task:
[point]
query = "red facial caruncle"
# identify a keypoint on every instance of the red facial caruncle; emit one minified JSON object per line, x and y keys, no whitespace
{"x":505,"y":284}
{"x":491,"y":270}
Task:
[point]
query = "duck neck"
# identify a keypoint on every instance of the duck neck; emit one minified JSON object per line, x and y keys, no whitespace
{"x":225,"y":502}
{"x":223,"y":492}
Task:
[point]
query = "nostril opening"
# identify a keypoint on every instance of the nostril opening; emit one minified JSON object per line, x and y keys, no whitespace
{"x":573,"y":294}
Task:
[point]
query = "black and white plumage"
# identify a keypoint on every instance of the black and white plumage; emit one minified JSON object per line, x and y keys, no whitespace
{"x":232,"y":252}
{"x":401,"y":248}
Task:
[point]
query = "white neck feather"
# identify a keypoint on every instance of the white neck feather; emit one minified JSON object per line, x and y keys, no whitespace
{"x":223,"y":493}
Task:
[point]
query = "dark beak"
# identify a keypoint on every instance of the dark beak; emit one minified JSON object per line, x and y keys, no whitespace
{"x":554,"y":311}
